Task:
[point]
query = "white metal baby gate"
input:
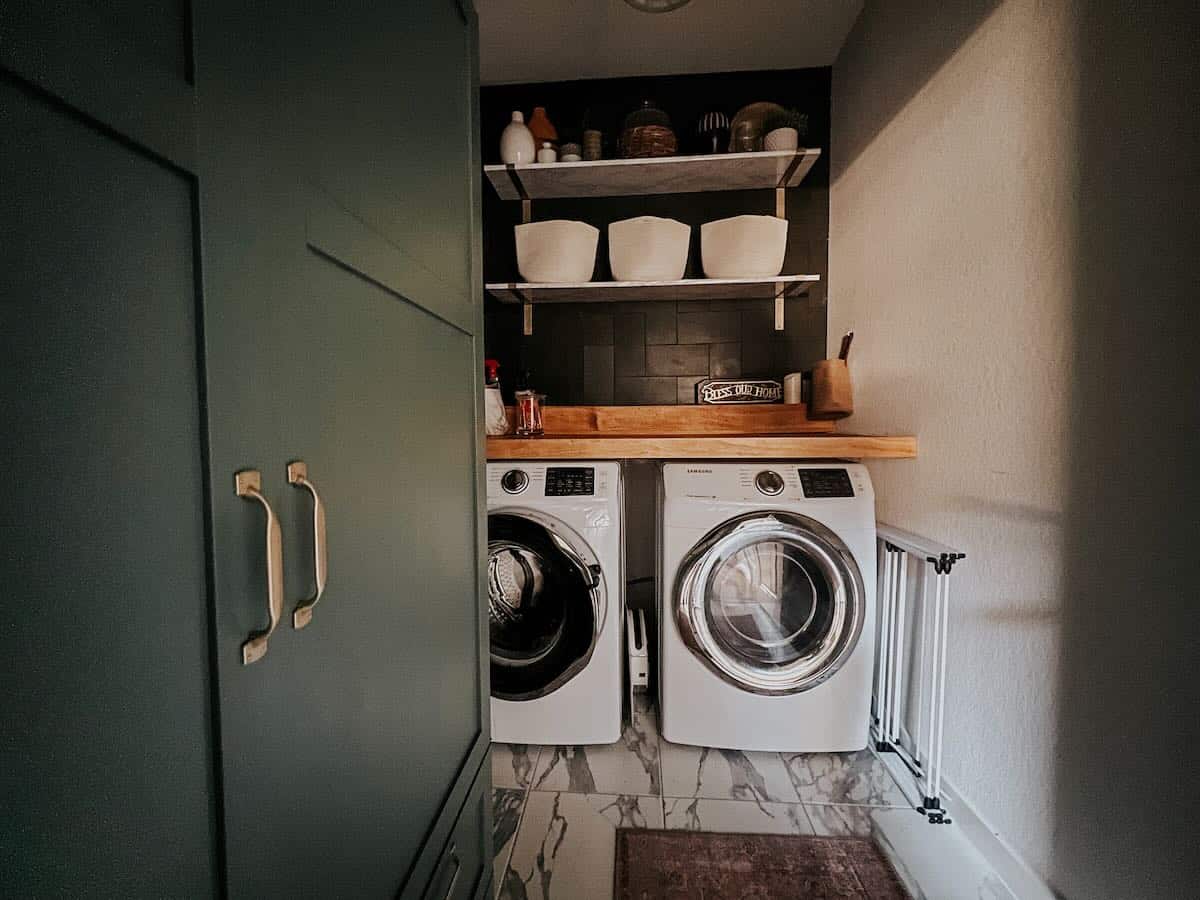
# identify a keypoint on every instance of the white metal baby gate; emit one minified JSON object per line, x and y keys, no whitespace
{"x":909,"y":704}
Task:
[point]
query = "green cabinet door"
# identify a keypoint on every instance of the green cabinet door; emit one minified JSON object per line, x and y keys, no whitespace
{"x":342,"y":328}
{"x":107,"y":781}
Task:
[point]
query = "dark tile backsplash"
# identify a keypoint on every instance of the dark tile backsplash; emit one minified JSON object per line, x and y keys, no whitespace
{"x":635,"y":352}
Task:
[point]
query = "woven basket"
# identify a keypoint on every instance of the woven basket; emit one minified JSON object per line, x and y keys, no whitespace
{"x":647,"y":140}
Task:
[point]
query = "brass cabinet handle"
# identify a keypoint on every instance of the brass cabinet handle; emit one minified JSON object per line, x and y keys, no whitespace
{"x":297,"y":473}
{"x":248,"y":484}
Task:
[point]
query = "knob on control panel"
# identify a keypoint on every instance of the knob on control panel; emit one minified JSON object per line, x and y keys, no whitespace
{"x":514,"y":481}
{"x":768,"y":482}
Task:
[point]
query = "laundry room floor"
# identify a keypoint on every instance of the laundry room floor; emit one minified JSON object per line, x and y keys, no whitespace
{"x":557,"y":809}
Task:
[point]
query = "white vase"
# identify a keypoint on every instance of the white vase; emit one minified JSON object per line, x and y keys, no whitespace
{"x":517,"y":146}
{"x":782,"y":139}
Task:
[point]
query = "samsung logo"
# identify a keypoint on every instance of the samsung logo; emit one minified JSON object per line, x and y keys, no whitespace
{"x":699,"y":471}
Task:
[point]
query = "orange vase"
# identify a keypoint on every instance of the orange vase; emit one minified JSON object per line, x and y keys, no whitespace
{"x":543,"y":129}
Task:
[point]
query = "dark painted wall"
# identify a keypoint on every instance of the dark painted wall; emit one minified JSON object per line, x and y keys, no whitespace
{"x":655,"y":352}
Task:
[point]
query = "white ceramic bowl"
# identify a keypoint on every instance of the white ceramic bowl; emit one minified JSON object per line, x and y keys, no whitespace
{"x":782,"y":139}
{"x":648,"y":249}
{"x":556,"y":251}
{"x":743,"y":247}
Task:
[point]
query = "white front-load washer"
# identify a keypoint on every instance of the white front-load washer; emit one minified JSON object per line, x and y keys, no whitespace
{"x":767,"y":605}
{"x":556,"y":601}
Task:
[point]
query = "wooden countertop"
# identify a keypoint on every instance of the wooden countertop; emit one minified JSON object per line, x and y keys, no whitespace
{"x":704,"y":446}
{"x":772,"y":431}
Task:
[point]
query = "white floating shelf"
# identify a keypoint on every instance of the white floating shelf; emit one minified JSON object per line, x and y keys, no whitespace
{"x":661,"y":175}
{"x":684,"y":289}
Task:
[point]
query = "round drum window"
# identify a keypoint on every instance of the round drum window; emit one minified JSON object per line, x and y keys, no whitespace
{"x":771,"y":601}
{"x":768,"y":602}
{"x":541,"y":606}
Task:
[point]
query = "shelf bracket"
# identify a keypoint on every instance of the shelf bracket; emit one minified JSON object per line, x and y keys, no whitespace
{"x":780,"y":290}
{"x":519,"y":187}
{"x":526,"y":313}
{"x":786,"y":177}
{"x":780,"y":203}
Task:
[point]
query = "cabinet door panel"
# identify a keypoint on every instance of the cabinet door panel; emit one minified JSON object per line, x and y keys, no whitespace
{"x":105,"y":768}
{"x":335,"y":342}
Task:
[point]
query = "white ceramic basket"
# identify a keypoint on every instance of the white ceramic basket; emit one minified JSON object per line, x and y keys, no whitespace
{"x":556,"y":251}
{"x":743,"y":247}
{"x":648,"y":249}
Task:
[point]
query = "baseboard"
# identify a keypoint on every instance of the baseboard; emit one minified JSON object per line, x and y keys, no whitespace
{"x":1013,"y":876}
{"x":1010,"y":866}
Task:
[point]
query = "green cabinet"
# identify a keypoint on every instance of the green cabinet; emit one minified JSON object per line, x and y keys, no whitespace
{"x":248,"y":236}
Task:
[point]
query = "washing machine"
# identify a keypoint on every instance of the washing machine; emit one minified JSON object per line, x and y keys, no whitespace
{"x":555,"y":601}
{"x":767,"y":605}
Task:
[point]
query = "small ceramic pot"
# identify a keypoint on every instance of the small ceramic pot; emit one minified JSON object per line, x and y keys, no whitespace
{"x":547,"y":154}
{"x":516,"y":142}
{"x":782,"y":139}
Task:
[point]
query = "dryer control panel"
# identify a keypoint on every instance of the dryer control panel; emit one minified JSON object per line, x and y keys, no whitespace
{"x":826,"y":483}
{"x":572,"y":481}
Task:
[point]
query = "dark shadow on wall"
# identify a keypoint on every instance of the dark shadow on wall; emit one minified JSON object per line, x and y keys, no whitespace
{"x":1127,"y":791}
{"x":937,"y":30}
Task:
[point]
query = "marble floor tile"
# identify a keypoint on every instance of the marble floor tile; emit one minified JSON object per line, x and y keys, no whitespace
{"x":724,"y":774}
{"x":858,"y":778}
{"x":737,"y":816}
{"x":513,"y":765}
{"x":566,"y":844}
{"x":630,"y":766}
{"x":841,"y":821}
{"x":507,"y":804}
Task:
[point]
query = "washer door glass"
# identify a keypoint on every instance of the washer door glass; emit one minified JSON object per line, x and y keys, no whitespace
{"x":542,"y":605}
{"x":773,"y":602}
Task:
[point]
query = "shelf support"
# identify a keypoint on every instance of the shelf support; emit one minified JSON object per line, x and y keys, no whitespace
{"x":780,"y":293}
{"x":526,"y":317}
{"x":519,"y":186}
{"x":786,"y":177}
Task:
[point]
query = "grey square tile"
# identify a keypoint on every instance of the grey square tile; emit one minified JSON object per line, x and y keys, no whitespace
{"x":507,"y":804}
{"x":677,"y":359}
{"x":686,"y":387}
{"x":630,"y":766}
{"x":629,"y":344}
{"x":724,"y":774}
{"x":738,"y":816}
{"x":693,"y":306}
{"x":513,"y":764}
{"x":644,"y":390}
{"x":566,"y":843}
{"x":709,"y":327}
{"x":841,"y":821}
{"x":660,"y":323}
{"x":725,"y":360}
{"x":598,"y":374}
{"x":845,"y":778}
{"x":596,"y":328}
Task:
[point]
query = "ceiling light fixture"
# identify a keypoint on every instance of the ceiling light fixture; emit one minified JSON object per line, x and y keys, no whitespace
{"x":657,"y":6}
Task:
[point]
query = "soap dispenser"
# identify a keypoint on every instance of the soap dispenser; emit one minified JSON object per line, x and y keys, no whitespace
{"x":494,"y":416}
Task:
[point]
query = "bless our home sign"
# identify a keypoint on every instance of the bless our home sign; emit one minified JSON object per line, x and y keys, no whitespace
{"x":738,"y":390}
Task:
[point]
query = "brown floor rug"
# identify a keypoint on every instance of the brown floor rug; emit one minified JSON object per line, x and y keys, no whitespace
{"x":694,"y":865}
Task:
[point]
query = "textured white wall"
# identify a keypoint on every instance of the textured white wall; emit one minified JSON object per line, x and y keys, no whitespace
{"x":952,"y":224}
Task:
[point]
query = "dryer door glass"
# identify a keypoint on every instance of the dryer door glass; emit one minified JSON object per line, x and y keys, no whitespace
{"x":773,"y":602}
{"x":542,"y":603}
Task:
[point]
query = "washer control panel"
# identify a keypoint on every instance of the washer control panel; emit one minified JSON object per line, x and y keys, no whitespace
{"x":514,"y":481}
{"x":574,"y":481}
{"x":823,"y":483}
{"x":769,"y":482}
